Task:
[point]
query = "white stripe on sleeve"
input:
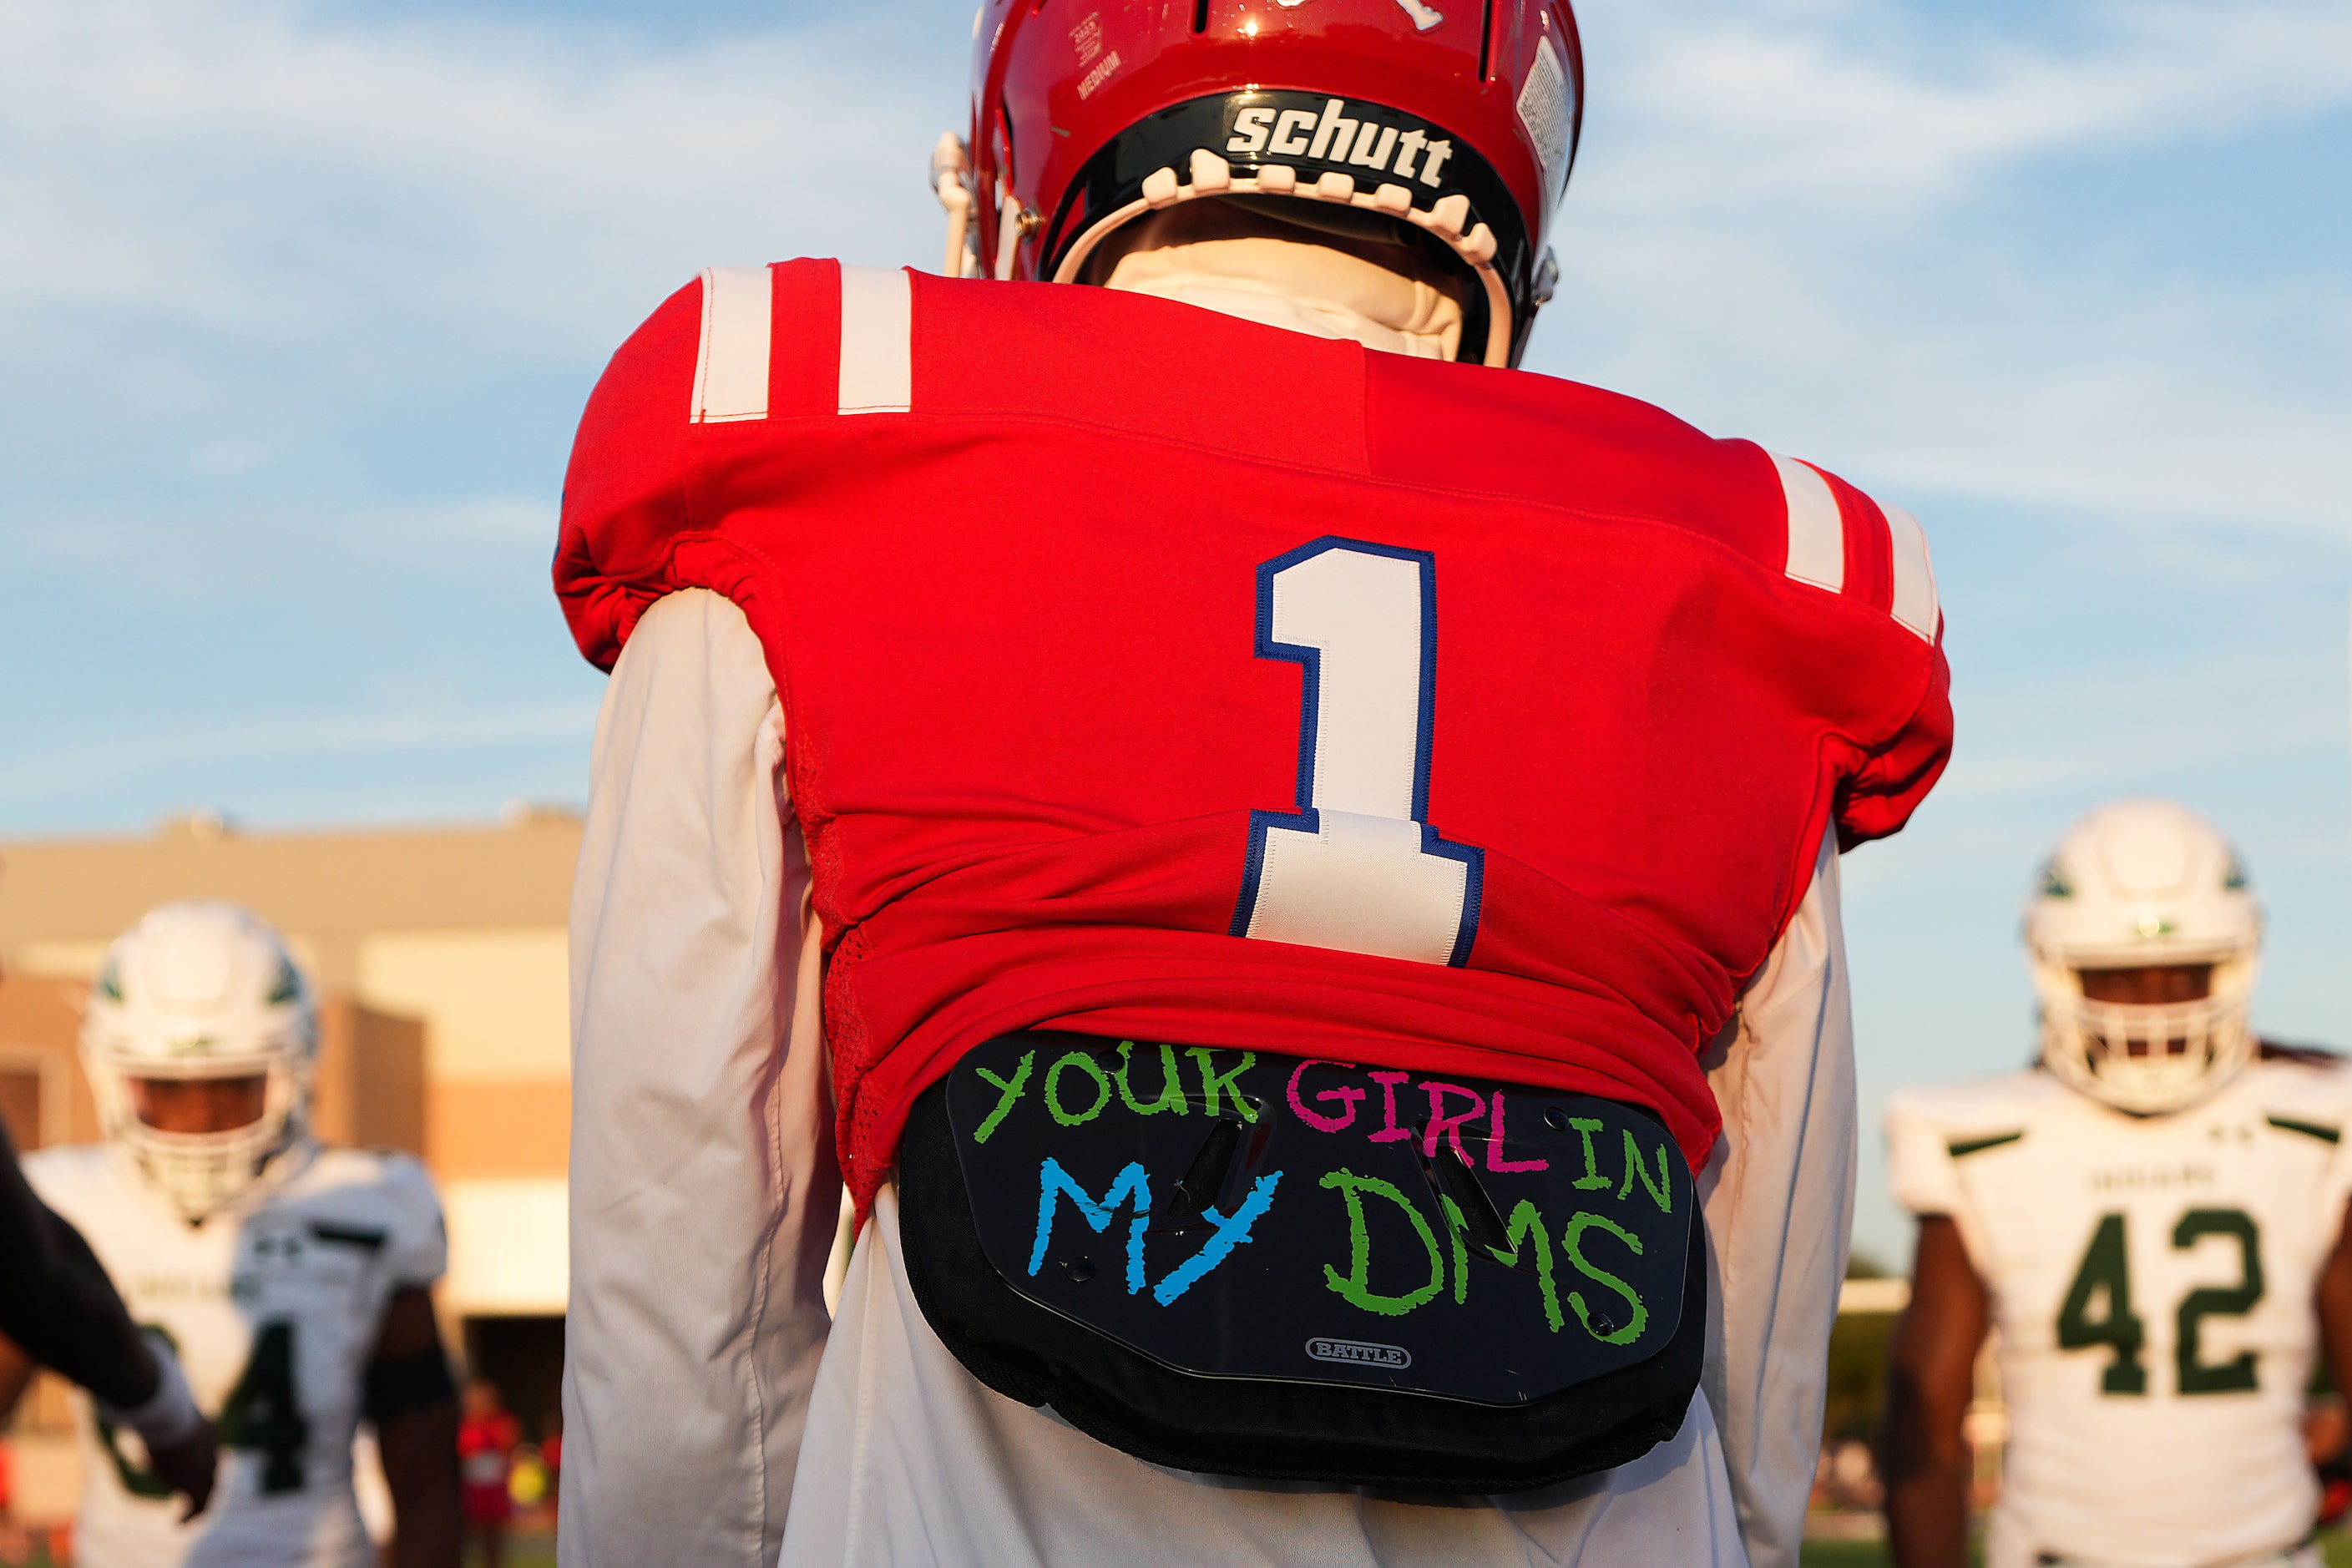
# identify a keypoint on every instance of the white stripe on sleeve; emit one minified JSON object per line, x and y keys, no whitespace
{"x":1915,"y":578}
{"x":876,"y":341}
{"x":731,"y":366}
{"x":1816,"y":533}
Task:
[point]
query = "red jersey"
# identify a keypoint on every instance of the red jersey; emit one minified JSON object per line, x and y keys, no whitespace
{"x":1154,"y":674}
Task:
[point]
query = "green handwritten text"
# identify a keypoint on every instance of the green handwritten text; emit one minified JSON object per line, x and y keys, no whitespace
{"x":1171,"y":1089}
{"x":1573,"y":1239}
{"x":1085,"y":1063}
{"x":1355,"y":1285}
{"x":1213,"y":1081}
{"x":1662,"y":1191}
{"x":1010,"y":1092}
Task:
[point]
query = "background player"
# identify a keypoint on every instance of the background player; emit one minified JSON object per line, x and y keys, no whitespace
{"x":2153,"y":1218}
{"x":294,"y":1281}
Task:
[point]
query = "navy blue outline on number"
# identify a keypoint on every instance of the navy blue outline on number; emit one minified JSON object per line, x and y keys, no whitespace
{"x":1307,"y":819}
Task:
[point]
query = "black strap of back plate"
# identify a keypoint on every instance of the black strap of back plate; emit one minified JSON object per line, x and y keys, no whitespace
{"x":1204,"y":1257}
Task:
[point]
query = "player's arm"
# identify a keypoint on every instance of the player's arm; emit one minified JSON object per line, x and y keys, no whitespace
{"x":2335,"y":1303}
{"x":704,"y":1187}
{"x":1931,"y":1376}
{"x":16,"y":1371}
{"x":56,"y":1302}
{"x":1778,"y":1199}
{"x":1779,"y":1196}
{"x":57,"y":1308}
{"x":414,"y":1404}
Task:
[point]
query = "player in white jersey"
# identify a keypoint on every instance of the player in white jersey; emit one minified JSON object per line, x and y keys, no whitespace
{"x":294,"y":1281}
{"x":2153,"y":1219}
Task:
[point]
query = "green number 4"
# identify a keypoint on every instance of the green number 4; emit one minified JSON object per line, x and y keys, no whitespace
{"x":2105,"y":1277}
{"x":2105,"y":1271}
{"x":137,"y":1479}
{"x":262,"y":1415}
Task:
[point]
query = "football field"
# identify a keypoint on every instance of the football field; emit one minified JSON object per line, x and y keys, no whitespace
{"x":1873,"y":1554}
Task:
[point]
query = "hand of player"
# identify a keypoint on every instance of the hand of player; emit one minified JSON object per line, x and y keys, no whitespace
{"x":188,"y":1467}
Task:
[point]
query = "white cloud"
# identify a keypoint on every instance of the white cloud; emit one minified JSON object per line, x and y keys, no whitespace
{"x":250,"y":166}
{"x":1778,"y":226}
{"x":2096,"y":731}
{"x":1808,"y":228}
{"x":228,"y":455}
{"x":1738,"y":109}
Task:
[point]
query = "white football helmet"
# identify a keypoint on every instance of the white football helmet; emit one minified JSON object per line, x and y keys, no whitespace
{"x":2135,"y":884}
{"x":201,"y":989}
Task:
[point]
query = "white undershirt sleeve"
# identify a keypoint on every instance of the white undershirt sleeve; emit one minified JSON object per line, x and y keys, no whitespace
{"x":1779,"y":1196}
{"x":704,"y":1186}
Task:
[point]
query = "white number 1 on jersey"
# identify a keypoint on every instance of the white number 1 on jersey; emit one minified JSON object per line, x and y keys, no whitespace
{"x":1357,"y":867}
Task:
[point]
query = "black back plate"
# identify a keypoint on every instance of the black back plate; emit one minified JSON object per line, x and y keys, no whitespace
{"x":1241,"y":1215}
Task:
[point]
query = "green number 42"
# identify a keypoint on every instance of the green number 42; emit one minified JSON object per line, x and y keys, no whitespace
{"x":2105,"y":1276}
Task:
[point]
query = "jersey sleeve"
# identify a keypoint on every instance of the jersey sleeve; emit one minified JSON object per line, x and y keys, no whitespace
{"x":417,"y":1251}
{"x":624,"y":491}
{"x":1879,"y":797}
{"x":709,"y":377}
{"x":1873,"y":557}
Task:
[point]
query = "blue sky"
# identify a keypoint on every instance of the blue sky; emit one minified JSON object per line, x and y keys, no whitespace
{"x":299,"y":302}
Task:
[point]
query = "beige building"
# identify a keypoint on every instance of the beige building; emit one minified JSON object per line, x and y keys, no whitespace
{"x":438,"y":955}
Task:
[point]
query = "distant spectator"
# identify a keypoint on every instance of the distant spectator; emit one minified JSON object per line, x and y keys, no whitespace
{"x":485,"y":1445}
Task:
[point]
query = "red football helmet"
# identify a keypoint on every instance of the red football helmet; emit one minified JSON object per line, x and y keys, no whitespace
{"x":1459,"y":125}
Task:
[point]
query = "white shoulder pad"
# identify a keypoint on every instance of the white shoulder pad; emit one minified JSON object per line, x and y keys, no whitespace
{"x":419,"y":1252}
{"x":2313,"y":1100}
{"x":1930,"y":1130}
{"x":66,"y":1175}
{"x":2317,"y":1093}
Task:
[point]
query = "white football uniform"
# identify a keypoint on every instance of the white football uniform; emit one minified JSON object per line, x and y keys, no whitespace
{"x":275,"y":1304}
{"x":2151,"y":1282}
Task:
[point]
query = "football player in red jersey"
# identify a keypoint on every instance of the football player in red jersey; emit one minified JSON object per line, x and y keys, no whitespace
{"x":1291,"y":866}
